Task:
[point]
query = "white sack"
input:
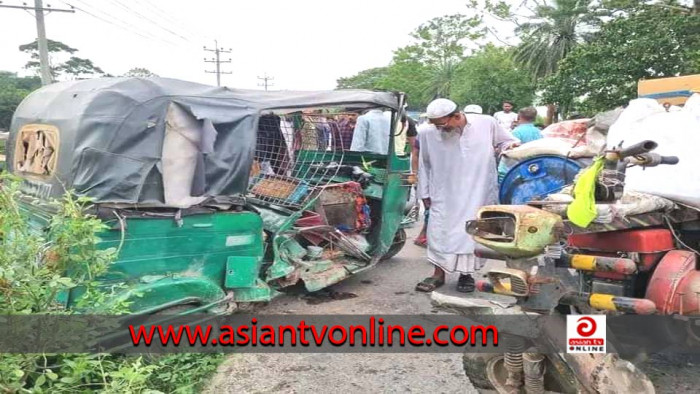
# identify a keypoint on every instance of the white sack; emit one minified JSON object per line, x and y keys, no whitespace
{"x":678,"y":134}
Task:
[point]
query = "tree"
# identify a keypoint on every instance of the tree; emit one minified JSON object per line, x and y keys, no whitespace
{"x":428,"y":67}
{"x":78,"y":67}
{"x":74,"y":66}
{"x":366,"y":79}
{"x":13,"y":90}
{"x":646,"y":42}
{"x":440,"y":45}
{"x":545,"y":32}
{"x":554,"y":31}
{"x":140,"y":73}
{"x":490,"y":76}
{"x":412,"y":78}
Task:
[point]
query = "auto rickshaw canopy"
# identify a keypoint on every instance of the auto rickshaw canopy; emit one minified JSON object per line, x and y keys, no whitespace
{"x":105,"y":138}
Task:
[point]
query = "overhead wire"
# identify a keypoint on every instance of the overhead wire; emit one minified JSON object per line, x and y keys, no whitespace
{"x":138,"y":14}
{"x":126,"y":26}
{"x":165,"y":16}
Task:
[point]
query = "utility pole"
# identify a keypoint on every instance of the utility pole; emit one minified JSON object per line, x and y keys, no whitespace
{"x":41,"y":35}
{"x":265,"y":83}
{"x":217,"y":51}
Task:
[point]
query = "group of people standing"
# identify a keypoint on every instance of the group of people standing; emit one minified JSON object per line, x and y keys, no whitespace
{"x":455,"y":156}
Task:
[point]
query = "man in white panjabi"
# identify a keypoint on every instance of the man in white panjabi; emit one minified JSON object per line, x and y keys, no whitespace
{"x":457,"y":176}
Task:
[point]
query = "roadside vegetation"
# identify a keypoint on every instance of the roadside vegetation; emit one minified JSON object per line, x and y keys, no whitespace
{"x":33,"y":266}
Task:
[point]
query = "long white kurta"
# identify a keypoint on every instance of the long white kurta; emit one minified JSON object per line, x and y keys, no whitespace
{"x":458,"y":174}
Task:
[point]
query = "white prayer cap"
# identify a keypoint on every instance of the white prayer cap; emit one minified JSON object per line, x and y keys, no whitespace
{"x":440,"y":107}
{"x":473,"y":109}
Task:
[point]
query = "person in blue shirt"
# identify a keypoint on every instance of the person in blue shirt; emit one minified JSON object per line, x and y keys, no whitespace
{"x":526,"y":130}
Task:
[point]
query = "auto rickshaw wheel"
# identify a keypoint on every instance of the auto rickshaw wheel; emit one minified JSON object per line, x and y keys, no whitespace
{"x":397,"y":245}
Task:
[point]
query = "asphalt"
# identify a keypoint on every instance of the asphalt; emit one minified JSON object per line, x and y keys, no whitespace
{"x":386,"y":289}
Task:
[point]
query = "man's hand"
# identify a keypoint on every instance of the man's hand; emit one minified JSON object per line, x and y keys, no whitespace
{"x":426,"y":203}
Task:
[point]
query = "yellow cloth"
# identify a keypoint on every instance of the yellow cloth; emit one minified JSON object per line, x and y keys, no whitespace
{"x":582,"y":210}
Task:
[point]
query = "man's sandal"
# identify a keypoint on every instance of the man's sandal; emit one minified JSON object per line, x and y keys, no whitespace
{"x":429,"y":284}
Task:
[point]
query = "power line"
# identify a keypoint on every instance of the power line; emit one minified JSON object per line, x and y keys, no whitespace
{"x":42,"y":43}
{"x":126,"y":26}
{"x":133,"y":11}
{"x":165,"y":16}
{"x":217,"y":51}
{"x":265,"y":83}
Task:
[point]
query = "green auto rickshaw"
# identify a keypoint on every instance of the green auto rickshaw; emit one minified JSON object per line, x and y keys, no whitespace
{"x":216,"y":196}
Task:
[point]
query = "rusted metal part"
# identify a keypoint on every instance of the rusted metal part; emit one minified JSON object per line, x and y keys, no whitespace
{"x":515,"y":230}
{"x":534,"y":370}
{"x":675,"y":284}
{"x":514,"y":363}
{"x":608,"y":302}
{"x":488,"y":253}
{"x":600,"y":263}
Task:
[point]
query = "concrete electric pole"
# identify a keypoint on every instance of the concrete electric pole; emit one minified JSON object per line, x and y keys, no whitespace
{"x":265,"y":83}
{"x":217,"y":51}
{"x":41,"y":36}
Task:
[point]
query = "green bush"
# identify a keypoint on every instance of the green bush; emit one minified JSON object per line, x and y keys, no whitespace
{"x":32,"y":278}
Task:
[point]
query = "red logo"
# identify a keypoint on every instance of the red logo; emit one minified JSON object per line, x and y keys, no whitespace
{"x":586,"y":326}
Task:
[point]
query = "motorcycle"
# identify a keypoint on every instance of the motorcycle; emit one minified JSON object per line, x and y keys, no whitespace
{"x":639,"y":266}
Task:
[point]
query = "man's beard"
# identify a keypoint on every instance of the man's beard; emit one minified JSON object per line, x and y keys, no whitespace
{"x":450,"y":131}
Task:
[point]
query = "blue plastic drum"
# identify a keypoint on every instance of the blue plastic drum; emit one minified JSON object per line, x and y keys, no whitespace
{"x":537,"y":177}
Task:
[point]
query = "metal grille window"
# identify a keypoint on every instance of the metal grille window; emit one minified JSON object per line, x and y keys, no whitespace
{"x":298,"y":152}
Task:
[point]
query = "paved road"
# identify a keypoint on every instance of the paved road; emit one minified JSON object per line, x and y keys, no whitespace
{"x":388,"y":289}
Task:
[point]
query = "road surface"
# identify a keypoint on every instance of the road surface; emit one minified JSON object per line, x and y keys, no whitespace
{"x":386,"y":289}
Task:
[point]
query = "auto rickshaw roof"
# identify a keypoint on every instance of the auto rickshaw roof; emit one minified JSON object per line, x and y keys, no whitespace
{"x":107,"y":133}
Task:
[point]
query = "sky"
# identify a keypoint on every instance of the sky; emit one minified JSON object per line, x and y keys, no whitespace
{"x":302,"y":44}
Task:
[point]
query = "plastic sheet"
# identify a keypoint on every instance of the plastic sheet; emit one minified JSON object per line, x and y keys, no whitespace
{"x":677,"y":134}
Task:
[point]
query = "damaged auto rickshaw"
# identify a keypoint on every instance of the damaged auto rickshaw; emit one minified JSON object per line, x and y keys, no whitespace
{"x":214,"y":196}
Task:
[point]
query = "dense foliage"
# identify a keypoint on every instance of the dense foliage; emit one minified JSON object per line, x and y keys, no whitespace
{"x":647,"y":42}
{"x":13,"y":90}
{"x":578,"y":55}
{"x":447,"y":59}
{"x":33,"y":266}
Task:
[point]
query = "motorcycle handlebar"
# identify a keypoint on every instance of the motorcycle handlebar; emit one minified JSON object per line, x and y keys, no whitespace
{"x":669,"y":160}
{"x":651,"y":160}
{"x":638,"y":149}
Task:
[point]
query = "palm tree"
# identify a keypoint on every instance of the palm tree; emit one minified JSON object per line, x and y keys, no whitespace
{"x":442,"y":76}
{"x":555,"y":31}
